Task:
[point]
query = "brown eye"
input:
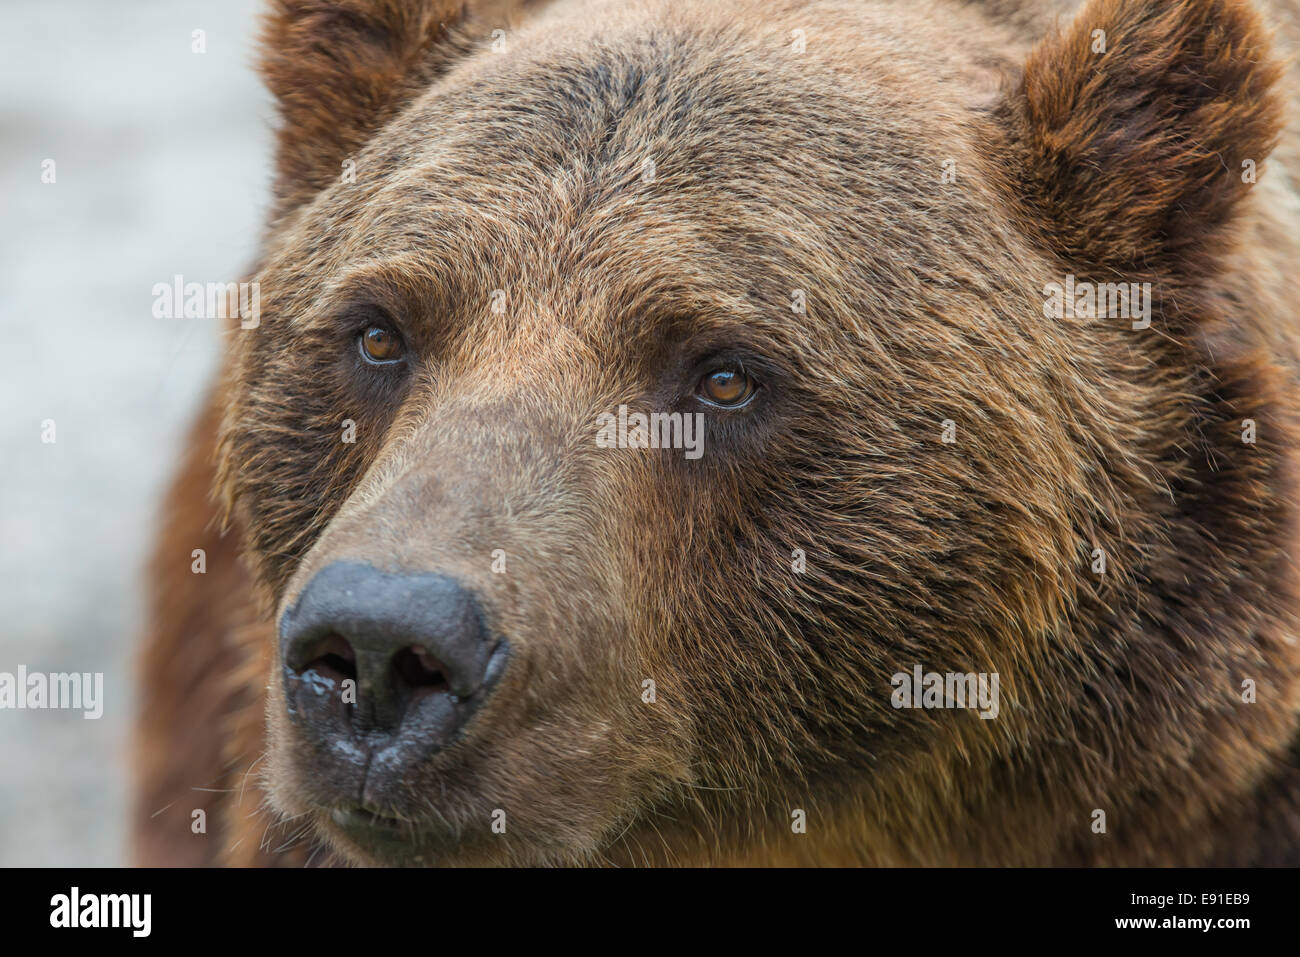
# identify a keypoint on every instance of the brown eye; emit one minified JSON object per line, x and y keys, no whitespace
{"x":380,"y":345}
{"x":726,"y":387}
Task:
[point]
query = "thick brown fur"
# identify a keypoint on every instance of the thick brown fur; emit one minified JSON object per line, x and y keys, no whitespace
{"x":522,"y":169}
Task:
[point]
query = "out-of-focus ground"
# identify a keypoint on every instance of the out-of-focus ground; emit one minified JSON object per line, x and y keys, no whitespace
{"x":162,"y":167}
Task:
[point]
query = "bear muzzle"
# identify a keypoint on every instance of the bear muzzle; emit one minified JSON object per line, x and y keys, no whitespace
{"x":381,"y":670}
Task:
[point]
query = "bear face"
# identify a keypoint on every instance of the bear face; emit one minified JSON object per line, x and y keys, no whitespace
{"x":829,"y":266}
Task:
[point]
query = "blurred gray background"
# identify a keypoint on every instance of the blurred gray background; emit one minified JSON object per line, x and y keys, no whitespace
{"x":163,"y":167}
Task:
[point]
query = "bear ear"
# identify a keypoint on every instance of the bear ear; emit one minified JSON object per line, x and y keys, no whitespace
{"x":339,"y":69}
{"x":1138,"y":128}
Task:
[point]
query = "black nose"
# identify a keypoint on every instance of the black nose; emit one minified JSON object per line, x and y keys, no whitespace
{"x":415,"y":646}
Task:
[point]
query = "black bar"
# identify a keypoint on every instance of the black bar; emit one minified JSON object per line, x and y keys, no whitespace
{"x":943,"y":908}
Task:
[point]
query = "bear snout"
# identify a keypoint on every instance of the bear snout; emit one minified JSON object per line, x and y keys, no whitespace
{"x":383,"y":669}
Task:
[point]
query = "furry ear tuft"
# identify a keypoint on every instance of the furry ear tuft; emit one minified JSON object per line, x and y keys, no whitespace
{"x":1133,"y":127}
{"x":340,"y":69}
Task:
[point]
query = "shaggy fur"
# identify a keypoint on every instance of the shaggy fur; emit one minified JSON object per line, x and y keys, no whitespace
{"x":519,"y":165}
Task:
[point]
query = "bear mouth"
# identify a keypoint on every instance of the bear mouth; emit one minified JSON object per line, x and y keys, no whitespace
{"x":364,"y":818}
{"x":359,"y":834}
{"x":380,"y":833}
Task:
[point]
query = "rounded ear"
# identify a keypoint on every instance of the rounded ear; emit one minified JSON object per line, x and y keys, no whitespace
{"x":1137,"y":129}
{"x":339,"y":69}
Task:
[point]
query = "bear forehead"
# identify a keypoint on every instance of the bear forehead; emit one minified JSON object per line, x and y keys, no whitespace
{"x":655,"y":167}
{"x":609,"y":176}
{"x":578,"y":132}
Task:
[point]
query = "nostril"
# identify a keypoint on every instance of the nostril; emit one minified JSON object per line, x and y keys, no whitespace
{"x":334,"y":657}
{"x":365,"y":652}
{"x":419,"y":669}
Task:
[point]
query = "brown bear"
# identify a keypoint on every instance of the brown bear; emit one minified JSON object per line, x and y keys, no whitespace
{"x":749,"y":432}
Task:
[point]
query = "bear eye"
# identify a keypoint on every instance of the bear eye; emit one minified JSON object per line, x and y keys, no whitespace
{"x":380,"y":345}
{"x":729,"y":388}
